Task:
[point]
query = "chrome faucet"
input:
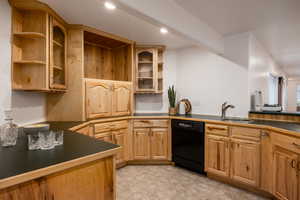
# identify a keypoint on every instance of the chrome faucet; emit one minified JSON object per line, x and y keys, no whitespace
{"x":224,"y":109}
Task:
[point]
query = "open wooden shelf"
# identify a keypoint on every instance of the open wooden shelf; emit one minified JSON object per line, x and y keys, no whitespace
{"x":58,"y":43}
{"x":145,"y":77}
{"x":145,"y":62}
{"x":57,"y":67}
{"x":29,"y":35}
{"x":29,"y":62}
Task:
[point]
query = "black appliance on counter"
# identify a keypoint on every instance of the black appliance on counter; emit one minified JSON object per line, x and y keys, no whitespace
{"x":188,"y":144}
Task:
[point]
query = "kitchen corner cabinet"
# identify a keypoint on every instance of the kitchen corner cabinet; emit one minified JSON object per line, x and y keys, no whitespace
{"x":100,"y":82}
{"x":149,"y":69}
{"x":33,"y":53}
{"x":151,"y":140}
{"x":107,"y":98}
{"x":117,"y":133}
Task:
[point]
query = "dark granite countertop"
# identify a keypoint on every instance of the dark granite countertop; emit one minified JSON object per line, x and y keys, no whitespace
{"x":18,"y":160}
{"x":275,"y":113}
{"x":283,"y":125}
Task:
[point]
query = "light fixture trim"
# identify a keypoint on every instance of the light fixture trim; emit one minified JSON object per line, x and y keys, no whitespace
{"x":164,"y":30}
{"x":110,"y":5}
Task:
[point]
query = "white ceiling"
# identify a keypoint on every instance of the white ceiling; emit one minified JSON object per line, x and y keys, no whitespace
{"x":275,"y":23}
{"x":92,"y":13}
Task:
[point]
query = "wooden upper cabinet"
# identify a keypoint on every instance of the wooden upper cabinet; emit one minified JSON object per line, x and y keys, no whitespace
{"x":149,"y":69}
{"x":38,"y":49}
{"x":98,"y":98}
{"x":30,"y":50}
{"x":122,"y":95}
{"x":159,"y":143}
{"x":217,"y":160}
{"x":245,"y":162}
{"x":141,"y":144}
{"x":145,"y":70}
{"x":58,"y":49}
{"x":285,"y":174}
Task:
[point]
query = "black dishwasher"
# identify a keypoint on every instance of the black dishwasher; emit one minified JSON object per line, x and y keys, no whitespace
{"x":188,"y":144}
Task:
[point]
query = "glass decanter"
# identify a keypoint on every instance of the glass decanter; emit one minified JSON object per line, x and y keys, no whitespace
{"x":9,"y":131}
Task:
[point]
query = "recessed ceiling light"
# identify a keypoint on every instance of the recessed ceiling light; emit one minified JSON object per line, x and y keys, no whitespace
{"x":164,"y":30}
{"x":109,"y":5}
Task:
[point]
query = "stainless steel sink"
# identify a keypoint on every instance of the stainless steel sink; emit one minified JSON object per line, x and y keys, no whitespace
{"x":237,"y":119}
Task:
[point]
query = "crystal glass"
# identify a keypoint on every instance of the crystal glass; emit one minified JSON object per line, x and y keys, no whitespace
{"x":9,"y":131}
{"x":47,"y":140}
{"x":33,"y":142}
{"x":59,"y":137}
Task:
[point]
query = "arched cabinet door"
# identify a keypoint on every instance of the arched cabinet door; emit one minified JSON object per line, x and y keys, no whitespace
{"x":58,"y":45}
{"x":122,"y":94}
{"x":146,"y":60}
{"x":98,"y":98}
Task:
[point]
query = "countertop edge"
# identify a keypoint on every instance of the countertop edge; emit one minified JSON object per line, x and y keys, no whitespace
{"x":275,"y":113}
{"x":28,"y":176}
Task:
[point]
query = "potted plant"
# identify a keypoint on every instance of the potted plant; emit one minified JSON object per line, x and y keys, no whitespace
{"x":172,"y":100}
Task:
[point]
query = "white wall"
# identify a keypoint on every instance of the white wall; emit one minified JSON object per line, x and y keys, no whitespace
{"x":261,"y":64}
{"x":292,"y":94}
{"x":236,"y":48}
{"x":151,"y":103}
{"x":5,"y":24}
{"x":27,"y":107}
{"x":208,"y":80}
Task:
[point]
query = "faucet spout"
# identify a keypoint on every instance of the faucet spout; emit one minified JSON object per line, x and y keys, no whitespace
{"x":225,"y":107}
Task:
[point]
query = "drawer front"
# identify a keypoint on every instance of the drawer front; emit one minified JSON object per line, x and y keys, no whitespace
{"x":287,"y":142}
{"x":246,"y":133}
{"x":102,"y":127}
{"x":216,"y":129}
{"x":119,"y":125}
{"x":150,"y":123}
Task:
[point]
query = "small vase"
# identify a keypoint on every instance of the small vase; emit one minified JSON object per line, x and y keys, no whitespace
{"x":172,"y":111}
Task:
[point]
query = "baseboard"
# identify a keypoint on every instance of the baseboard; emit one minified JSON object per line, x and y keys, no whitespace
{"x":240,"y":185}
{"x":149,"y":162}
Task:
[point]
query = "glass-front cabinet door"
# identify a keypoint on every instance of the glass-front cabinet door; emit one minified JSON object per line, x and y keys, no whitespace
{"x":145,"y":72}
{"x":58,"y":46}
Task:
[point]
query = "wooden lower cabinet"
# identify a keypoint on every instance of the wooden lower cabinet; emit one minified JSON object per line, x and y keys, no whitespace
{"x":106,"y":136}
{"x":150,"y":144}
{"x":285,"y":174}
{"x":233,"y":153}
{"x":159,"y":144}
{"x":116,"y":132}
{"x":94,"y":180}
{"x":141,"y":144}
{"x":120,"y":138}
{"x":217,"y":155}
{"x":87,"y":130}
{"x":245,"y":162}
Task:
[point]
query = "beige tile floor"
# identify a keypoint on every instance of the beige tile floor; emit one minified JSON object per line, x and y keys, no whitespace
{"x":172,"y":183}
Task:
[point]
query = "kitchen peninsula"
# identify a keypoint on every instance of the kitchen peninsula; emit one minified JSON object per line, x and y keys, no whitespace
{"x":82,"y":171}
